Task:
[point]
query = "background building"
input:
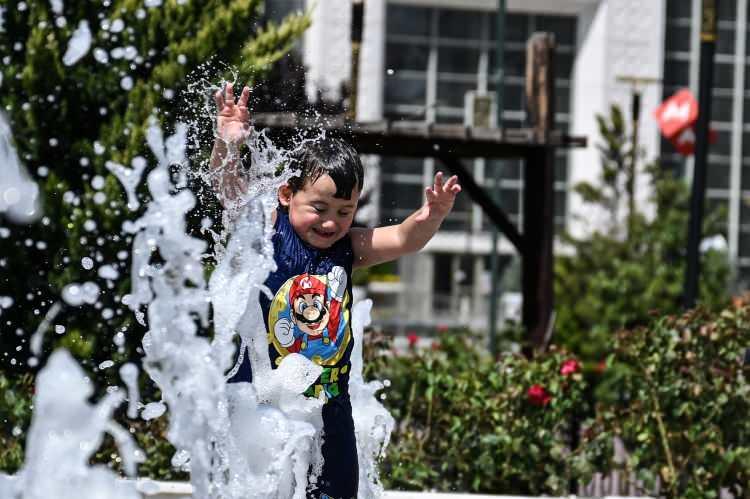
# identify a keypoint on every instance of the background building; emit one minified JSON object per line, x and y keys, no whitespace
{"x":420,"y":59}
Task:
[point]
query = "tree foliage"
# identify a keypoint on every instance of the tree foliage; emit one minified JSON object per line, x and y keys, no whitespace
{"x":623,"y":273}
{"x":147,"y":60}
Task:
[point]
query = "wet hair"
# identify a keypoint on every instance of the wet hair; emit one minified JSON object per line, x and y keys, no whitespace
{"x":333,"y":157}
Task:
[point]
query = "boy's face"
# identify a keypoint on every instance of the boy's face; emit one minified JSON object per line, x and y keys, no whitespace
{"x":318,"y":217}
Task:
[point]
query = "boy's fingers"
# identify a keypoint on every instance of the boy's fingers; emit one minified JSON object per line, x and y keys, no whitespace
{"x":430,"y":194}
{"x":219,"y":99}
{"x":456,"y":189}
{"x":450,"y":183}
{"x":438,"y":180}
{"x":230,"y":93}
{"x":244,"y":96}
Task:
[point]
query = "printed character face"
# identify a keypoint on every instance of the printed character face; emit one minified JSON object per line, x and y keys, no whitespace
{"x":310,"y":314}
{"x":318,"y":217}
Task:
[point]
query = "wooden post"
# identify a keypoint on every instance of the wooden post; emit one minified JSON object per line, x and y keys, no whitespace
{"x":539,"y":199}
{"x":540,"y":84}
{"x":358,"y":19}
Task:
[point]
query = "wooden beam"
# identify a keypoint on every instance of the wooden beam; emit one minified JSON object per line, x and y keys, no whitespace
{"x":480,"y":196}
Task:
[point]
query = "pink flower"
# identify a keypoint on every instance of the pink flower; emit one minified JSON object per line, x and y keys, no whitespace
{"x":538,"y":396}
{"x":413,"y":339}
{"x":569,"y":367}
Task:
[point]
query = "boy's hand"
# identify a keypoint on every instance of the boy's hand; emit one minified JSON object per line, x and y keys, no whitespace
{"x":440,"y":198}
{"x":233,"y":119}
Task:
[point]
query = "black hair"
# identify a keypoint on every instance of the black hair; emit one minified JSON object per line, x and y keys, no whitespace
{"x":330,"y":156}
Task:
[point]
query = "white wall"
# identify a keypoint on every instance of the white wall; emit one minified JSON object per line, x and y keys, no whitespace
{"x":616,"y":38}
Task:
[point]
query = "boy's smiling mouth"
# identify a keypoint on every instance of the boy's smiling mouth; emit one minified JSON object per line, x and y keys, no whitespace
{"x":323,"y":234}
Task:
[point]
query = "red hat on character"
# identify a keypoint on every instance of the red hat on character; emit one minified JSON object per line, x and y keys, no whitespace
{"x":306,"y":285}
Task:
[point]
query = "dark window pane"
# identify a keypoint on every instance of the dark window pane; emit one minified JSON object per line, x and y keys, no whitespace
{"x":447,"y":116}
{"x":727,"y":10}
{"x":676,"y":72}
{"x":744,"y":244}
{"x":723,"y":144}
{"x":725,"y":41}
{"x":723,"y":75}
{"x":561,"y":199}
{"x":564,"y":28}
{"x":509,"y":169}
{"x":404,"y":91}
{"x":452,"y":94}
{"x":516,"y":27}
{"x":746,"y":180}
{"x":561,"y":168}
{"x":458,"y":60}
{"x":509,"y":201}
{"x":400,"y":196}
{"x":514,"y":60}
{"x":406,"y":56}
{"x":406,"y":20}
{"x":678,"y":9}
{"x":721,"y":109}
{"x":460,"y":24}
{"x":413,"y":166}
{"x":717,"y":175}
{"x":677,"y":39}
{"x":564,"y":66}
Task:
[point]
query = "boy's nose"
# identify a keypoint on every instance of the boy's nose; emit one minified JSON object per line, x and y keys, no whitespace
{"x":329,"y":225}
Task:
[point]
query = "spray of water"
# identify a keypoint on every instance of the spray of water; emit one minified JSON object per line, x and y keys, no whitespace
{"x":259,"y":440}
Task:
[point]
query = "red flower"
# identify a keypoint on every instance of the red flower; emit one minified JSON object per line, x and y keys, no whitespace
{"x":538,"y":396}
{"x":413,"y":339}
{"x":442,"y":328}
{"x":569,"y":367}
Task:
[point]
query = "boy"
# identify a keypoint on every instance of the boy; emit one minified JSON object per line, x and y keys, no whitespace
{"x":316,"y":250}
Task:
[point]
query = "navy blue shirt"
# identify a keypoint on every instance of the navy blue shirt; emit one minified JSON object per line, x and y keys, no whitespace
{"x":310,"y":314}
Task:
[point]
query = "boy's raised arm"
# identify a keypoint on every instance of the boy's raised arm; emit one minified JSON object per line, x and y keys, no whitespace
{"x":232,"y":130}
{"x":382,"y":244}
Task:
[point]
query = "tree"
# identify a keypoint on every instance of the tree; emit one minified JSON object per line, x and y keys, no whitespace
{"x":79,"y":86}
{"x":615,"y":278}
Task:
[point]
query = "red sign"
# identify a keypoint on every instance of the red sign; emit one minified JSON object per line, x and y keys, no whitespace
{"x":685,"y":141}
{"x":677,"y":114}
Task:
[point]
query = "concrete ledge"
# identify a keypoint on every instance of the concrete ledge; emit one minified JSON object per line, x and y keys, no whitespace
{"x":151,"y":489}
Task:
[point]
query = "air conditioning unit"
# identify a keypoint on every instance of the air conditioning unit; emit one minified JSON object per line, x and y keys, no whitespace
{"x":480,"y":109}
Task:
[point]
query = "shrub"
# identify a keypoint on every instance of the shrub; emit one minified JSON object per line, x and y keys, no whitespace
{"x":466,"y":422}
{"x":683,"y":402}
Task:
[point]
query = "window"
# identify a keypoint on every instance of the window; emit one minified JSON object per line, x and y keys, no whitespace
{"x":434,"y":57}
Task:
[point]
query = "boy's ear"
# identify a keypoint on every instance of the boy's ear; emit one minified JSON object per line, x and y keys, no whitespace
{"x":285,"y":195}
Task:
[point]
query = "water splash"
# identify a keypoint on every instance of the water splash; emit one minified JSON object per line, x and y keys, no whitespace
{"x":65,"y":431}
{"x":19,"y":195}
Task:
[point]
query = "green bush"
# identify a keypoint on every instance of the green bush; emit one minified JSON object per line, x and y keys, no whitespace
{"x":684,"y":401}
{"x":622,"y":274}
{"x":468,"y":423}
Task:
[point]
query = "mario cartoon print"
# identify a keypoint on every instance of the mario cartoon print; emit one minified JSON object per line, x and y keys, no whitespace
{"x":309,"y":316}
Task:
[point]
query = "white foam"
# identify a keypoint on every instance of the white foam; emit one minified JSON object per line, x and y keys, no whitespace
{"x":19,"y":195}
{"x":65,"y":432}
{"x":79,"y":44}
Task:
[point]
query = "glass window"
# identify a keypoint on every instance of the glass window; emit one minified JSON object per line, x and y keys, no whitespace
{"x":516,"y":27}
{"x":727,"y":10}
{"x":723,"y":75}
{"x":453,"y":93}
{"x":405,"y":90}
{"x":564,"y":28}
{"x":460,"y":24}
{"x":514,"y":60}
{"x":721,"y":109}
{"x":411,"y":166}
{"x":717,"y":175}
{"x":723,"y":143}
{"x":407,"y":20}
{"x":458,"y":60}
{"x":678,"y":9}
{"x":400,"y":196}
{"x":676,"y":72}
{"x":677,"y":39}
{"x":509,"y":169}
{"x":746,"y":179}
{"x":725,"y":40}
{"x":406,"y":56}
